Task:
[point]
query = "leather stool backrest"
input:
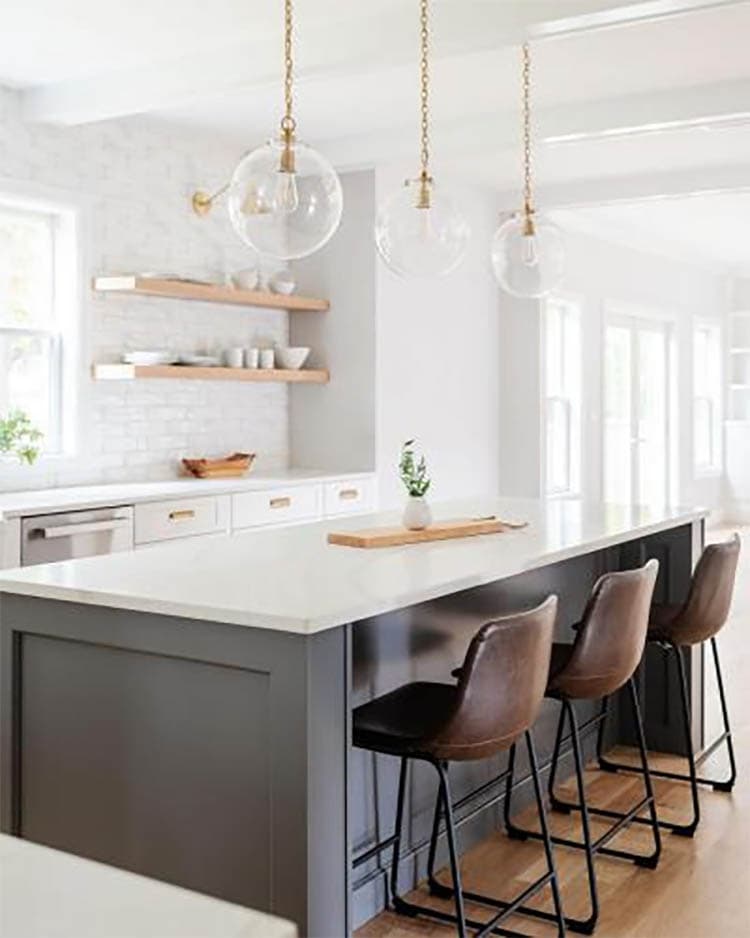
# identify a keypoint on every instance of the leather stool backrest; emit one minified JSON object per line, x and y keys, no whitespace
{"x":710,"y":596}
{"x":501,"y":684}
{"x":610,"y":641}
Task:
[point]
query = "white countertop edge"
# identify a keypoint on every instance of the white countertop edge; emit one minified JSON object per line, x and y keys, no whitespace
{"x":311,"y":626}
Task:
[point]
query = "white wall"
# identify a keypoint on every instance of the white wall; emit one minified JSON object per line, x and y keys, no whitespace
{"x":132,"y":181}
{"x":437,"y":361}
{"x":333,"y":426}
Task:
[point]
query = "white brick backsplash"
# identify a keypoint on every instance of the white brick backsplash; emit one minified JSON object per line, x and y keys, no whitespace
{"x":136,"y":176}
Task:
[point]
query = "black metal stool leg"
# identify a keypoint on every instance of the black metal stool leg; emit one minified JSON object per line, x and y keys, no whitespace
{"x":548,"y":849}
{"x":587,"y":925}
{"x":555,"y":803}
{"x":729,"y":784}
{"x":445,"y":793}
{"x":514,"y":832}
{"x":396,"y":901}
{"x":600,"y":732}
{"x":687,"y":830}
{"x":648,"y":861}
{"x":436,"y":888}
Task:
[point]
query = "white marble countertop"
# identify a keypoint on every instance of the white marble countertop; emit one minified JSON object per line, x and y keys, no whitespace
{"x":44,"y":501}
{"x":48,"y":894}
{"x":290,"y":579}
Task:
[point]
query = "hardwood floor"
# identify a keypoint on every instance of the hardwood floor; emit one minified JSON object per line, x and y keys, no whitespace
{"x":701,"y":888}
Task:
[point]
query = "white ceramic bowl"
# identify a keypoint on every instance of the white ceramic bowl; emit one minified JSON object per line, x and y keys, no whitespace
{"x":292,"y":358}
{"x":245,"y":279}
{"x":282,"y":282}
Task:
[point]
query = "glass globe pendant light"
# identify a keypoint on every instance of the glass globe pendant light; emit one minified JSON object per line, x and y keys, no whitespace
{"x":528,"y":255}
{"x":418,"y":231}
{"x":285,"y":198}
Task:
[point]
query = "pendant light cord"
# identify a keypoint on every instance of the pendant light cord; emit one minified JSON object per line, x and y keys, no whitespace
{"x":528,"y":204}
{"x":424,"y":85}
{"x":288,"y":124}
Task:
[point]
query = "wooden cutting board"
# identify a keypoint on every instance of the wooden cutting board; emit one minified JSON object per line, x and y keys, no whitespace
{"x":440,"y":531}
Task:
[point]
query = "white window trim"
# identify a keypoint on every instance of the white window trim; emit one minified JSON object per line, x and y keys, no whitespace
{"x":73,"y":213}
{"x":577,"y":300}
{"x":715,"y":471}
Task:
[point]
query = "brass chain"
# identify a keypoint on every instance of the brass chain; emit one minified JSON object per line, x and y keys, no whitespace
{"x":528,"y":207}
{"x":288,"y":123}
{"x":424,"y":81}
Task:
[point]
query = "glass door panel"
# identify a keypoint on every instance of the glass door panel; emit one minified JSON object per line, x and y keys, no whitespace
{"x":652,"y":439}
{"x":636,"y":411}
{"x":618,"y":397}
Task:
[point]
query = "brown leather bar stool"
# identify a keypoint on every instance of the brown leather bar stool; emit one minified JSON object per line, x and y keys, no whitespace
{"x":675,"y":628}
{"x":607,"y":649}
{"x":493,"y":704}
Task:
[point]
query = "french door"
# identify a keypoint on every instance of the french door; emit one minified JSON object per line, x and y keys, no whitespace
{"x":636,"y":425}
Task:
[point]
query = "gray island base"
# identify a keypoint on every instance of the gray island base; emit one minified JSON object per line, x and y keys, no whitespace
{"x":217,"y":755}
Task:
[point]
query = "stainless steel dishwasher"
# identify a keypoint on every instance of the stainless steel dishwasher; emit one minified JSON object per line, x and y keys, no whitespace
{"x":46,"y":538}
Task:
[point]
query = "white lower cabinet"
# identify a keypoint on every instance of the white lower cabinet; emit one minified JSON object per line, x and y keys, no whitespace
{"x":276,"y":506}
{"x":184,"y":517}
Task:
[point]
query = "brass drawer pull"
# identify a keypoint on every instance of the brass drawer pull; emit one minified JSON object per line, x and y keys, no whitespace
{"x":348,"y":495}
{"x":184,"y":514}
{"x":283,"y":502}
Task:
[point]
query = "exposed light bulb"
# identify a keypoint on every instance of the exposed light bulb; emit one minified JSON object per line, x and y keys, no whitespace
{"x":286,"y":194}
{"x":529,"y":250}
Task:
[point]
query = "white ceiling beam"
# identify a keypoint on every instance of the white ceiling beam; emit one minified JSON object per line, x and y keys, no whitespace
{"x":679,"y":184}
{"x":656,"y":112}
{"x":334,"y":49}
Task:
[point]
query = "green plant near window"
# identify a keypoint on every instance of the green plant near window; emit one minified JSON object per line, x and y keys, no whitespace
{"x":19,"y":437}
{"x":413,"y":473}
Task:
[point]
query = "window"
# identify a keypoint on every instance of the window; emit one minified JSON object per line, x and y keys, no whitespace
{"x":31,"y":340}
{"x":707,"y":397}
{"x":562,"y":396}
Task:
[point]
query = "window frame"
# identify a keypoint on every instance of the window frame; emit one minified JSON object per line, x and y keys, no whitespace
{"x":69,"y":381}
{"x":572,"y":407}
{"x":715,"y":467}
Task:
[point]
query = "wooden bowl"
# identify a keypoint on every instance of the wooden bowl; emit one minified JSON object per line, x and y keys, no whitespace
{"x":231,"y":467}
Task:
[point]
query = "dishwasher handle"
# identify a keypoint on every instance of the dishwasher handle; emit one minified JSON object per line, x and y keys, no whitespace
{"x":84,"y":527}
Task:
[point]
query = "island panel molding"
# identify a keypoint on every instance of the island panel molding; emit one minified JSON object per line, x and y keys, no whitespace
{"x":207,"y":293}
{"x":122,"y":372}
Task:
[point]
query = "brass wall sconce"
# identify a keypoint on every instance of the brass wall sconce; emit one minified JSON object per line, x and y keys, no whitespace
{"x":203,"y":202}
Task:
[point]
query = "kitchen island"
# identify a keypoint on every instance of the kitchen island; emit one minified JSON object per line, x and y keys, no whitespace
{"x":185,"y":711}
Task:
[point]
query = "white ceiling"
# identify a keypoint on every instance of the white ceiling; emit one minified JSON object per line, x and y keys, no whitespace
{"x":604,"y":72}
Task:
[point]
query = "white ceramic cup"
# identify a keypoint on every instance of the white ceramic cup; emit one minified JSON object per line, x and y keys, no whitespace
{"x":234,"y":357}
{"x":252,"y":357}
{"x":267,"y":358}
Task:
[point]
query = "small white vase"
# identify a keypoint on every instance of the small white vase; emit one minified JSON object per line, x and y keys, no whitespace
{"x":417,"y":514}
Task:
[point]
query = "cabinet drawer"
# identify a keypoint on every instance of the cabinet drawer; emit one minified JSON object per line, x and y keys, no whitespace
{"x":276,"y":506}
{"x":185,"y":517}
{"x":347,"y":496}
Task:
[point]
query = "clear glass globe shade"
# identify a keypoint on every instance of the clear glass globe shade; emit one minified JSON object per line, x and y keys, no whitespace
{"x":420,"y":242}
{"x":528,"y":265}
{"x":282,"y":214}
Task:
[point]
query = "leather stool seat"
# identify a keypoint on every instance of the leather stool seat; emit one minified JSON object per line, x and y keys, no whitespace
{"x":405,"y":721}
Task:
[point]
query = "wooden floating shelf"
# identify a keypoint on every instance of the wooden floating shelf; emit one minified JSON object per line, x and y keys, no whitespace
{"x":206,"y":293}
{"x":121,"y":372}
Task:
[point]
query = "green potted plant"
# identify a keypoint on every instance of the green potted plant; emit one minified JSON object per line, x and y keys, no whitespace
{"x":413,"y":472}
{"x":19,"y":437}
